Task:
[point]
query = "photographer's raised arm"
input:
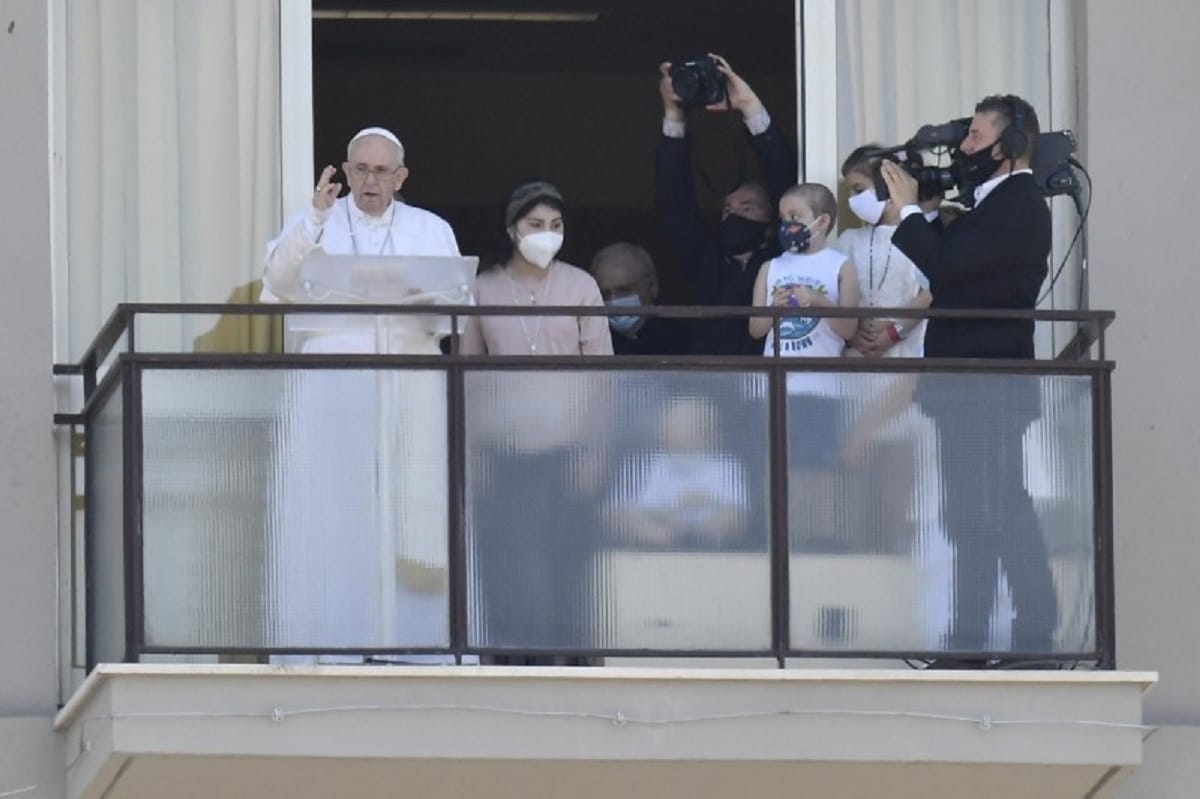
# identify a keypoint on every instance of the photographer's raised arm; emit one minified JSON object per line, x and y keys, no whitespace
{"x":740,"y":97}
{"x":674,"y":191}
{"x":775,"y":155}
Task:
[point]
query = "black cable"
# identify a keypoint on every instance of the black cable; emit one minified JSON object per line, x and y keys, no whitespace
{"x":1083,"y":270}
{"x":1078,"y":231}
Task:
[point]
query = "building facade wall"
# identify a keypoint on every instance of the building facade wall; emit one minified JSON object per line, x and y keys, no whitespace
{"x":1136,"y":62}
{"x":29,"y":754}
{"x":1139,"y":118}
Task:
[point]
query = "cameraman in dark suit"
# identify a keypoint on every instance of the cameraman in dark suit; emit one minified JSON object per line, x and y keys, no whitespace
{"x":722,"y":264}
{"x":994,"y":256}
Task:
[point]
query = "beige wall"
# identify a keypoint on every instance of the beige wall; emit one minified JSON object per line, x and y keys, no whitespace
{"x":28,"y":677}
{"x":1141,"y":59}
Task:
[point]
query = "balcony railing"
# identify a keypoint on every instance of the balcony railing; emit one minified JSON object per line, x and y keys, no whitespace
{"x":387,"y":504}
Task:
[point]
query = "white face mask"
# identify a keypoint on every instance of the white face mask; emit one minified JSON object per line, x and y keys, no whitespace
{"x":867,"y":207}
{"x":540,"y":248}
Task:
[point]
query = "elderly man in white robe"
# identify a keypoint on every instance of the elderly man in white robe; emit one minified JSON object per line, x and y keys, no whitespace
{"x":368,"y":221}
{"x":360,"y":550}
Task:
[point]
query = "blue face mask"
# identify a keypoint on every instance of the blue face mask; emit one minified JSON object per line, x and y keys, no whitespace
{"x":625,"y":324}
{"x":795,"y":237}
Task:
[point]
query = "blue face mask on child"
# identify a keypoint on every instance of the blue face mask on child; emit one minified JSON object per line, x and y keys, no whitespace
{"x":795,"y":237}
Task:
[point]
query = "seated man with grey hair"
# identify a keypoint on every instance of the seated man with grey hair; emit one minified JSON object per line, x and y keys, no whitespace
{"x":627,"y":278}
{"x":367,"y":221}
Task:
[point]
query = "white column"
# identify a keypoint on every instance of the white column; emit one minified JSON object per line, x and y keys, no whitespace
{"x":816,"y":69}
{"x":295,"y":104}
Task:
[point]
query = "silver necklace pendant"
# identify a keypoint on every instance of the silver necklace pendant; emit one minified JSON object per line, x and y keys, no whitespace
{"x":537,"y":328}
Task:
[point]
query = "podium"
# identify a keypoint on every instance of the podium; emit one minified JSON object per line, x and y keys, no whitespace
{"x":377,"y":280}
{"x":362,"y":551}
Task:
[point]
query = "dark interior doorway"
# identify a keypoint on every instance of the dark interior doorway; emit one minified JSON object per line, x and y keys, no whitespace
{"x":484,"y":105}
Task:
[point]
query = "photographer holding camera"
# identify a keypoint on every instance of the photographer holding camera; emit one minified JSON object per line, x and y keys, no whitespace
{"x":993,"y":256}
{"x":722,"y":267}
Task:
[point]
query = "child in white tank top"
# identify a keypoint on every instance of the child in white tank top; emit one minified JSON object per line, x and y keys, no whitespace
{"x":807,"y":275}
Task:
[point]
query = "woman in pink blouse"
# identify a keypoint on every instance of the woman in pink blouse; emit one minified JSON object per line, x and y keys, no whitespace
{"x":529,"y":273}
{"x":536,"y":443}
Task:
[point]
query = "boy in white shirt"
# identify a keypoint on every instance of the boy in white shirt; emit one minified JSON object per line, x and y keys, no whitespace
{"x":806,"y":275}
{"x":810,"y":275}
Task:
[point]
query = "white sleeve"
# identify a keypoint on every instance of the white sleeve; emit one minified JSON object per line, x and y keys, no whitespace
{"x":299,"y":237}
{"x":758,"y":124}
{"x":451,"y":241}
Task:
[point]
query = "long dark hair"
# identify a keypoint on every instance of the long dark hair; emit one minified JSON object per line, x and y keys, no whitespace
{"x":864,"y":159}
{"x":517,"y":205}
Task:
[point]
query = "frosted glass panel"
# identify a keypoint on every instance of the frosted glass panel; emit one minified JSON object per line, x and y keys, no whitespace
{"x":945,"y":512}
{"x":228,"y":333}
{"x":618,"y":510}
{"x":295,"y":509}
{"x":106,"y":528}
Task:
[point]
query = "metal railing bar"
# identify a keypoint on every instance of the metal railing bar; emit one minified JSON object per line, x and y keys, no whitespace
{"x":195,"y":360}
{"x":769,"y":653}
{"x":110,"y":333}
{"x":101,"y":393}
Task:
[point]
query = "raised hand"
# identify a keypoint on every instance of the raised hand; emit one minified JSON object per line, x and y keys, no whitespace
{"x":326,"y":192}
{"x":740,"y":96}
{"x":672,"y":108}
{"x":901,"y":186}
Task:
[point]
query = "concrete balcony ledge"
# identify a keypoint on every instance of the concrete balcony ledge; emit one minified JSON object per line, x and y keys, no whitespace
{"x":243,"y":730}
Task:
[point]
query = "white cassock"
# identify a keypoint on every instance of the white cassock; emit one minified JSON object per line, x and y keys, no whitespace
{"x":358,"y":552}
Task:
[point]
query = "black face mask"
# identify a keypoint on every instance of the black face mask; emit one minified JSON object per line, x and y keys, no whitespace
{"x":976,"y":168}
{"x":739,"y":234}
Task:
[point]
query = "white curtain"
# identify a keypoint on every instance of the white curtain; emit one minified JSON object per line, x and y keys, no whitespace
{"x":904,"y":63}
{"x":172,"y":155}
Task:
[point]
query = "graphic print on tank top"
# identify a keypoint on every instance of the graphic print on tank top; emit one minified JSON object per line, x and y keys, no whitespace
{"x":796,"y":332}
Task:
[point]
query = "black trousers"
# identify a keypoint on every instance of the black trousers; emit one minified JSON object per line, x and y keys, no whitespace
{"x":990,"y":520}
{"x":532,"y":542}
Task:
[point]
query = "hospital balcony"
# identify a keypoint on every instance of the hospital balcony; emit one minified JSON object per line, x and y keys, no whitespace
{"x":309,"y":572}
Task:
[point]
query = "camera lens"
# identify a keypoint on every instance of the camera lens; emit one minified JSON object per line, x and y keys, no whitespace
{"x":686,"y":84}
{"x":697,"y":82}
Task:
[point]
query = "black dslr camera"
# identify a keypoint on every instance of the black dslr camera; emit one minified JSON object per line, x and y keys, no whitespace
{"x":1052,"y":163}
{"x":698,"y":82}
